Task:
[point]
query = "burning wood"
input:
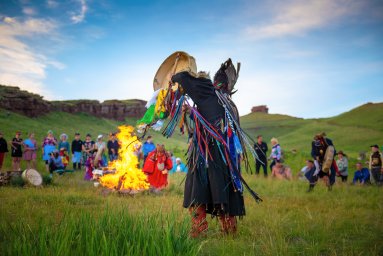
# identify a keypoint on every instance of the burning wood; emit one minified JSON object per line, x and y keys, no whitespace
{"x":127,"y":175}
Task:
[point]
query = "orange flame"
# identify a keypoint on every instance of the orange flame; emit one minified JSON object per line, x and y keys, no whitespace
{"x":128,"y":176}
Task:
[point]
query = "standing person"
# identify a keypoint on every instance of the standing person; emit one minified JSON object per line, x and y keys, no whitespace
{"x":17,"y":151}
{"x":76,"y":151}
{"x":100,"y":148}
{"x":113,"y":147}
{"x":30,"y":148}
{"x":260,"y":148}
{"x":87,"y":148}
{"x":213,"y":184}
{"x":342,"y":164}
{"x":157,"y":166}
{"x":375,"y":165}
{"x":3,"y":150}
{"x":276,"y":153}
{"x":318,"y":150}
{"x":148,"y":147}
{"x":63,"y":144}
{"x":49,"y":144}
{"x":361,"y":175}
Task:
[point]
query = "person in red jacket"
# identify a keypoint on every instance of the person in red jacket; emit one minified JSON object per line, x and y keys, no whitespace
{"x":157,"y":166}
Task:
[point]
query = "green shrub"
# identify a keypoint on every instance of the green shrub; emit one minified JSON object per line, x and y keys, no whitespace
{"x":47,"y":180}
{"x":17,"y":181}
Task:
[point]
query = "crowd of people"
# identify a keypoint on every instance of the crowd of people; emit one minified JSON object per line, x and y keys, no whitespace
{"x":87,"y":154}
{"x":317,"y":167}
{"x":157,"y":162}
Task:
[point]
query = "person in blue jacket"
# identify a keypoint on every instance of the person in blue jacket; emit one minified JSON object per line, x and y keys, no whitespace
{"x":148,"y":147}
{"x":361,"y":175}
{"x":178,"y":166}
{"x":55,"y":162}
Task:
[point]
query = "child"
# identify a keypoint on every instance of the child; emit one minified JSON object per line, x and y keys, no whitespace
{"x":76,"y":151}
{"x":64,"y":157}
{"x":89,"y":166}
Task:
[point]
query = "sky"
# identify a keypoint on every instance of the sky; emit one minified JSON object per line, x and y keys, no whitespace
{"x":305,"y":58}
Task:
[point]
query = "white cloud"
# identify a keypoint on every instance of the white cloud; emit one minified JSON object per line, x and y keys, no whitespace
{"x":20,"y":65}
{"x":80,"y":16}
{"x":29,"y":11}
{"x":52,"y":4}
{"x":298,"y":17}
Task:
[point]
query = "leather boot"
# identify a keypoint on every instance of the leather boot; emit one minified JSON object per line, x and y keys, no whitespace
{"x":228,"y":224}
{"x":199,"y":222}
{"x":223,"y":223}
{"x":231,"y":225}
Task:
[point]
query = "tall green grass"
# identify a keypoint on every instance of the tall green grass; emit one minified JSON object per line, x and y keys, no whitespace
{"x":72,"y":216}
{"x":110,"y":232}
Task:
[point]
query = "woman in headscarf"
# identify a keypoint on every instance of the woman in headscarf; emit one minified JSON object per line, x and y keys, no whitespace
{"x":64,"y":144}
{"x":100,"y":148}
{"x":157,"y":166}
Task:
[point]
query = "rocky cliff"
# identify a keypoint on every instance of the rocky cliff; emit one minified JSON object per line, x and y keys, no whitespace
{"x":23,"y":102}
{"x":33,"y":105}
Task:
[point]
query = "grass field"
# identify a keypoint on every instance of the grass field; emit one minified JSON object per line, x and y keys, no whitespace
{"x":72,"y":217}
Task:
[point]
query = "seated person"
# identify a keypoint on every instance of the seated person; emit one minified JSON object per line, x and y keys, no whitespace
{"x":92,"y":163}
{"x":64,"y":157}
{"x":305,"y":169}
{"x":362,"y":175}
{"x":178,"y":166}
{"x":55,"y":162}
{"x":281,"y":171}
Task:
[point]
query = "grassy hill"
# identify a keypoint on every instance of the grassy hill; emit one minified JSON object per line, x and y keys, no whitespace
{"x":353,"y":131}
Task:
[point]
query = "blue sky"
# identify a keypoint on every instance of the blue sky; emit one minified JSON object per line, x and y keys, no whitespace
{"x":302,"y":58}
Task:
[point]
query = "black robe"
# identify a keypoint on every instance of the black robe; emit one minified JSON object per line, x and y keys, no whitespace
{"x":209,"y":185}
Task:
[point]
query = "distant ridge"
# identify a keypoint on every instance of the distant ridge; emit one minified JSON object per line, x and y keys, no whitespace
{"x":33,"y":105}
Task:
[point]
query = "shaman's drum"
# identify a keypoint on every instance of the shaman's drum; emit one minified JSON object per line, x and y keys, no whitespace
{"x":328,"y":159}
{"x":32,"y":177}
{"x":175,"y":63}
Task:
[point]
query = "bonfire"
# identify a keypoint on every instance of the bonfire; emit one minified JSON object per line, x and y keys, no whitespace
{"x":128,"y":177}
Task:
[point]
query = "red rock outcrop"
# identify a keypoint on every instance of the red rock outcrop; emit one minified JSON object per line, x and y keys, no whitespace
{"x":260,"y":109}
{"x":33,"y":105}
